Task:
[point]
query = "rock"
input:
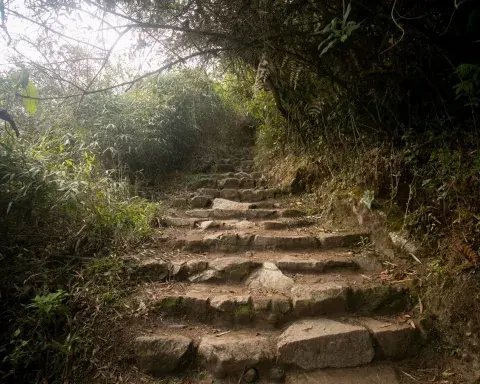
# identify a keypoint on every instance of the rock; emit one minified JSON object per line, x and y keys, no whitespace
{"x":252,"y":195}
{"x":206,"y":276}
{"x":230,"y":205}
{"x":213,"y":224}
{"x":230,"y":194}
{"x":203,"y":183}
{"x":231,"y":183}
{"x":285,"y":242}
{"x":277,"y":374}
{"x":234,"y":268}
{"x":378,"y":374}
{"x":223,"y":303}
{"x":200,"y":213}
{"x":179,"y":222}
{"x":201,"y":201}
{"x":179,"y":202}
{"x":244,"y":224}
{"x":333,"y":240}
{"x":162,"y":354}
{"x":210,"y":192}
{"x":323,"y":343}
{"x":401,"y":241}
{"x":393,"y":341}
{"x":242,"y":175}
{"x":256,"y":175}
{"x":269,"y":277}
{"x":224,"y":168}
{"x":319,"y":299}
{"x":187,"y":268}
{"x":250,"y":376}
{"x":313,"y":265}
{"x":292,"y":213}
{"x":154,"y":269}
{"x":197,"y":304}
{"x":378,"y":298}
{"x":247,"y":183}
{"x":231,"y":353}
{"x":227,"y":242}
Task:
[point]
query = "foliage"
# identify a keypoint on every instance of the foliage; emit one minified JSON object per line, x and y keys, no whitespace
{"x":57,"y":208}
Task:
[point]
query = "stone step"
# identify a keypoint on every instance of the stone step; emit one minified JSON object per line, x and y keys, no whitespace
{"x":250,"y":214}
{"x":248,"y":195}
{"x":207,"y":224}
{"x":255,"y":240}
{"x":226,"y":175}
{"x":205,"y":201}
{"x":187,"y":267}
{"x":226,"y":183}
{"x":370,"y":374}
{"x":269,"y":302}
{"x":268,"y":355}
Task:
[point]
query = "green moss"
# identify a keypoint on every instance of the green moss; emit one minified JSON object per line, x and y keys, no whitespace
{"x":170,"y":303}
{"x":244,"y":311}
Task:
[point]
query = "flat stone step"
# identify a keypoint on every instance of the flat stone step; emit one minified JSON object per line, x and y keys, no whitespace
{"x":303,"y":346}
{"x":250,"y":214}
{"x":254,"y":240}
{"x":185,"y":267}
{"x":375,"y":374}
{"x":224,"y":225}
{"x":239,"y":194}
{"x":271,"y":303}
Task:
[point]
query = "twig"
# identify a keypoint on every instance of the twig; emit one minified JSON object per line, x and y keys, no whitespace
{"x":241,"y":376}
{"x":398,"y":26}
{"x":223,"y":333}
{"x":148,"y":74}
{"x":415,"y":258}
{"x":52,"y":30}
{"x":410,"y":376}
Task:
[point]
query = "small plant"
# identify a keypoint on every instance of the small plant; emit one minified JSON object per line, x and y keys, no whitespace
{"x":338,"y":31}
{"x":47,"y":307}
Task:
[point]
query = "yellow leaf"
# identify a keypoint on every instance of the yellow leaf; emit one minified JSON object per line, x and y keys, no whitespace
{"x":30,"y":101}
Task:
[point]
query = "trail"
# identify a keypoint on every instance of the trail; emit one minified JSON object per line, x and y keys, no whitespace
{"x":245,"y":288}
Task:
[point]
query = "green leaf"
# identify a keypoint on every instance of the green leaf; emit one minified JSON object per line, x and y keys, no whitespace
{"x":30,"y":104}
{"x":347,"y":12}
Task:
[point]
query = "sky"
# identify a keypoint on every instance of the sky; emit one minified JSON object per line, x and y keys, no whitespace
{"x":79,"y":25}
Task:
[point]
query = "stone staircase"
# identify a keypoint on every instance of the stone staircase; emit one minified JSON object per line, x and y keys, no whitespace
{"x":250,"y":290}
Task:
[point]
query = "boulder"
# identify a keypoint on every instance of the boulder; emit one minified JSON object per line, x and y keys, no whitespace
{"x":159,"y":354}
{"x":269,"y":277}
{"x":323,"y":343}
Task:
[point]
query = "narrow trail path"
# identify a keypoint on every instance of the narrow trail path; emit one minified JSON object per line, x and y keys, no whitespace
{"x":245,"y":289}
